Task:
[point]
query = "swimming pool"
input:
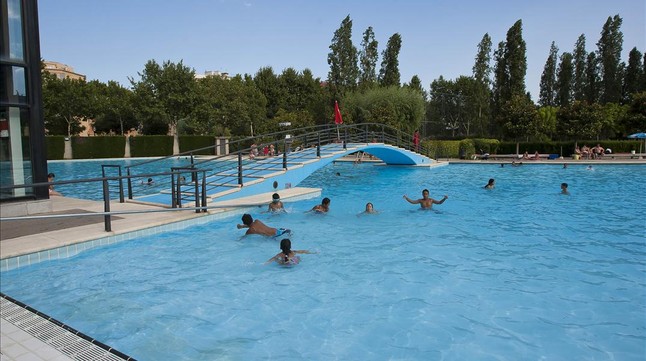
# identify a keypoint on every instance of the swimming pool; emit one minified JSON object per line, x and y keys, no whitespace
{"x":519,"y":272}
{"x":87,"y":169}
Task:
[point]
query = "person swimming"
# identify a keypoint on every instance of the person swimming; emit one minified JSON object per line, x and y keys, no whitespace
{"x":257,"y":227}
{"x":287,"y":256}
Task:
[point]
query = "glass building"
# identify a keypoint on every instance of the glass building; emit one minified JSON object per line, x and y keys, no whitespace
{"x":23,"y":159}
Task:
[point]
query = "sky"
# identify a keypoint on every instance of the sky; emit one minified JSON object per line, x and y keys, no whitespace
{"x":113,"y":40}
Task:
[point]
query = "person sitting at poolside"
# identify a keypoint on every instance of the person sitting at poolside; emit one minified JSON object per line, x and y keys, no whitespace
{"x":564,"y":189}
{"x":425,"y":202}
{"x":257,"y":227}
{"x":287,"y":256}
{"x":525,"y":155}
{"x":537,"y":156}
{"x":50,"y":179}
{"x":324,"y":207}
{"x":490,"y":184}
{"x":276,"y":205}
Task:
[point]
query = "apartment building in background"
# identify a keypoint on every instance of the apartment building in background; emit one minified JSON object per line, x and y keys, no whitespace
{"x":62,"y":71}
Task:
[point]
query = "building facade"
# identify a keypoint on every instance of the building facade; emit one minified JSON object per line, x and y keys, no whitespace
{"x":62,"y":71}
{"x":23,"y":158}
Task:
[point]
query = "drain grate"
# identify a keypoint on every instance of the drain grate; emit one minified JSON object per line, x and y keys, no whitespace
{"x":64,"y":339}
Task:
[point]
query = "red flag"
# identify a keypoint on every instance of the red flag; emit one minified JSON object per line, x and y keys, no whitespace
{"x":337,"y":114}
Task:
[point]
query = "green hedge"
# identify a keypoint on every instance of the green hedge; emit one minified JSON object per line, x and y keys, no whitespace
{"x":98,"y":147}
{"x":442,"y":148}
{"x":55,"y":147}
{"x":151,"y":146}
{"x":190,"y":142}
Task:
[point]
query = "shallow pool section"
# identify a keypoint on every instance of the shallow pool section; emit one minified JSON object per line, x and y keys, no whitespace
{"x":517,"y":272}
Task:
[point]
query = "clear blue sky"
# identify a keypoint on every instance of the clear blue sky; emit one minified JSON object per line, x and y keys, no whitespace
{"x":112,"y":40}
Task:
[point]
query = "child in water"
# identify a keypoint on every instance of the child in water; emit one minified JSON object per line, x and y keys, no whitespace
{"x":287,"y":256}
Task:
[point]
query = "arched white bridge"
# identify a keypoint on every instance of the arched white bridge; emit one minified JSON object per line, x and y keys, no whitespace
{"x":235,"y":178}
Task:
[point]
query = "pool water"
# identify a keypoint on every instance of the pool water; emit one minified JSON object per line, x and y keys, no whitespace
{"x":86,"y":169}
{"x":514,"y":273}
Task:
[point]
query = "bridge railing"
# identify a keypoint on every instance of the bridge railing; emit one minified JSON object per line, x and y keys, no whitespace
{"x":247,"y":159}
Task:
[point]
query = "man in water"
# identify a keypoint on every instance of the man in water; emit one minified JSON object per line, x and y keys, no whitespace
{"x":426,"y":202}
{"x":257,"y":227}
{"x":564,"y":188}
{"x":276,"y":205}
{"x":324,"y":207}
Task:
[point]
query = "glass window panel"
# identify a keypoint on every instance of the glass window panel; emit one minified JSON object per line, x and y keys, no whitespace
{"x":16,"y":43}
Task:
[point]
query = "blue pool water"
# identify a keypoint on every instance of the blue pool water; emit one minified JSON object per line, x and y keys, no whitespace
{"x":517,"y":273}
{"x":86,"y":169}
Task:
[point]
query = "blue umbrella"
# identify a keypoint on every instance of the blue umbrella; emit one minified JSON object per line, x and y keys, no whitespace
{"x":641,"y":135}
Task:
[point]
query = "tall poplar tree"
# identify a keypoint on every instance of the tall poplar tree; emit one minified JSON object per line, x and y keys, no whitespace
{"x":564,"y":81}
{"x":610,"y":46}
{"x":342,"y":59}
{"x":592,"y":90}
{"x":368,"y":59}
{"x":501,"y":78}
{"x":633,"y":74}
{"x":579,"y":57}
{"x":547,"y":92}
{"x":482,"y":77}
{"x":482,"y":66}
{"x":389,"y":73}
{"x":416,"y":84}
{"x":516,"y":59}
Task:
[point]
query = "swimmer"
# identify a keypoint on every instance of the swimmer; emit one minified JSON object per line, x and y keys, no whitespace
{"x":564,"y":165}
{"x":287,"y":256}
{"x":370,"y":209}
{"x":324,"y":207}
{"x":491,"y":184}
{"x":276,"y":205}
{"x":257,"y":227}
{"x":50,"y":179}
{"x":564,"y":189}
{"x":149,"y":182}
{"x":425,"y":202}
{"x":589,"y":168}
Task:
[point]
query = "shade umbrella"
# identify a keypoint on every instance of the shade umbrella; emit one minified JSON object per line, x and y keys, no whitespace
{"x":641,"y":135}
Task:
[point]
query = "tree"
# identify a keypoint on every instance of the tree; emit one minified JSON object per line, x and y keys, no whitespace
{"x":482,"y":67}
{"x":501,"y":79}
{"x":546,"y":121}
{"x":579,"y":60}
{"x":267,"y":82}
{"x":342,"y":59}
{"x":228,"y":107}
{"x":416,"y":84}
{"x":166,"y":92}
{"x":401,"y":108}
{"x":520,"y":118}
{"x":592,"y":90}
{"x":482,"y":94}
{"x":564,"y":80}
{"x":368,"y":59}
{"x":633,"y":74}
{"x":580,"y":120}
{"x":547,"y":92}
{"x":516,"y":60}
{"x":65,"y":104}
{"x":116,"y":114}
{"x":610,"y":46}
{"x":389,"y":73}
{"x":635,"y":118}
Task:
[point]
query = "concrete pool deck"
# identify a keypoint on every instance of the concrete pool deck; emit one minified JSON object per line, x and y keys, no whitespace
{"x":20,"y":238}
